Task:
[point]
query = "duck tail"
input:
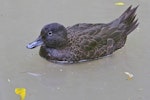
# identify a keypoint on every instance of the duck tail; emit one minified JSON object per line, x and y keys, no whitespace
{"x":127,"y":21}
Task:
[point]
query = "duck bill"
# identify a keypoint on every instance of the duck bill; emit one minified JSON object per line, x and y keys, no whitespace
{"x":35,"y":43}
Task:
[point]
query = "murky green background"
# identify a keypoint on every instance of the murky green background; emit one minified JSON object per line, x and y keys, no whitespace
{"x":103,"y":79}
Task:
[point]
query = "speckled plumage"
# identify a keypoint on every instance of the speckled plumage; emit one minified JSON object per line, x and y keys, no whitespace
{"x":83,"y":42}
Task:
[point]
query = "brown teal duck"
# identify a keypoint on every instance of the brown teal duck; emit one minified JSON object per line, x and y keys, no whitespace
{"x":84,"y":41}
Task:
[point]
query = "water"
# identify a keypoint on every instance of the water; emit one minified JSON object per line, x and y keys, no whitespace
{"x":103,"y":79}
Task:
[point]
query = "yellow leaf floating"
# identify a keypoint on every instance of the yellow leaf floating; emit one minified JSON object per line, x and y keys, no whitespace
{"x":130,"y":76}
{"x":119,"y":4}
{"x":21,"y":92}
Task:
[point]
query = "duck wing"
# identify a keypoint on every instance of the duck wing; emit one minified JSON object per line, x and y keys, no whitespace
{"x":97,"y":36}
{"x":78,"y":27}
{"x":98,"y":40}
{"x":104,"y":38}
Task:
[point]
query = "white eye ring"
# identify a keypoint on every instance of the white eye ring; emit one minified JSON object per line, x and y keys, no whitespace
{"x":50,"y":33}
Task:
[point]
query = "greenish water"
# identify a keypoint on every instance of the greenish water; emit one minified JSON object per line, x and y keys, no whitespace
{"x":103,"y":79}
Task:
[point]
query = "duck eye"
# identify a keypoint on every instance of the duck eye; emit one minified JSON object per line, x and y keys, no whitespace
{"x":50,"y":33}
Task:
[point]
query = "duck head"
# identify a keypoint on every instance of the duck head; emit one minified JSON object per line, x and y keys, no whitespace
{"x":52,"y":36}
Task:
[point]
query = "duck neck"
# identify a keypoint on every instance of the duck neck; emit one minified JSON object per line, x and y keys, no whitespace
{"x":61,"y":44}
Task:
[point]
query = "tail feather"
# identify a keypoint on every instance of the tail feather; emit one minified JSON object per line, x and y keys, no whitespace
{"x":127,"y":21}
{"x":133,"y":26}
